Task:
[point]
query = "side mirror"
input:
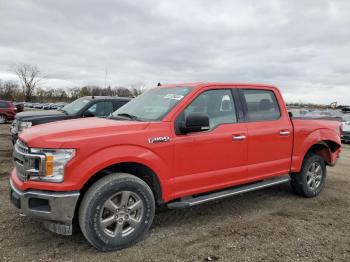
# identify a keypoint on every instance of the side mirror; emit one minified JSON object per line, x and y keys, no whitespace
{"x":195,"y":122}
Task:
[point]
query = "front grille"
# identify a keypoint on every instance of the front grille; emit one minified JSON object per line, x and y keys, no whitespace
{"x":27,"y":164}
{"x":22,"y":147}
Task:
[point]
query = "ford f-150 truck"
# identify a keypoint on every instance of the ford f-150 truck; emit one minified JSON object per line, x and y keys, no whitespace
{"x":174,"y":145}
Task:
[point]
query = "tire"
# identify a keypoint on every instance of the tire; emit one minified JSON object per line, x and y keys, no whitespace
{"x":311,"y":179}
{"x":102,"y":218}
{"x":2,"y":119}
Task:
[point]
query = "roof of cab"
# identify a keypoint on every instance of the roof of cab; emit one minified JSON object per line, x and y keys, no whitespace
{"x":107,"y":97}
{"x":232,"y":84}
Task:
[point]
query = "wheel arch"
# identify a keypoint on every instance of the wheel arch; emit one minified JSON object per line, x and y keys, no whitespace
{"x":324,"y":148}
{"x":134,"y":168}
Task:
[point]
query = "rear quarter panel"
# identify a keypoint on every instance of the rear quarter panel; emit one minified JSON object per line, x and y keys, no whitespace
{"x":310,"y":132}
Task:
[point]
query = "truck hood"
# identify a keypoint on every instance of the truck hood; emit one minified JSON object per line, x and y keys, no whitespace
{"x":69,"y":132}
{"x":38,"y":117}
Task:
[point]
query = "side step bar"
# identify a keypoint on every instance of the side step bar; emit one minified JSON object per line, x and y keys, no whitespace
{"x":189,"y":202}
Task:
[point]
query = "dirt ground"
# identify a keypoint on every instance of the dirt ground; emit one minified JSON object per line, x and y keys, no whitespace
{"x":266,"y":225}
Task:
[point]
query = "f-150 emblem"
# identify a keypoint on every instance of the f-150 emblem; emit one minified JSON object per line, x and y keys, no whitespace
{"x":158,"y":139}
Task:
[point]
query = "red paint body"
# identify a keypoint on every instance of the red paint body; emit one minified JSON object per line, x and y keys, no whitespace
{"x":187,"y":164}
{"x":10,"y":111}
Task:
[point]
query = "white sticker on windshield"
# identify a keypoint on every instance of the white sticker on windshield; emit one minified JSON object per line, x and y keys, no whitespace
{"x":173,"y":96}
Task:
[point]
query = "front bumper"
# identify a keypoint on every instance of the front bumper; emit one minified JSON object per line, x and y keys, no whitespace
{"x":56,"y":208}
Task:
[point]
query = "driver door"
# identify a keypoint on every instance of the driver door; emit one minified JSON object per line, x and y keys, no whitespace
{"x":212,"y":159}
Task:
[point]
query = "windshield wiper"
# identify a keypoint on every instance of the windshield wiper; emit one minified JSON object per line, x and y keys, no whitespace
{"x":62,"y":110}
{"x":125,"y":116}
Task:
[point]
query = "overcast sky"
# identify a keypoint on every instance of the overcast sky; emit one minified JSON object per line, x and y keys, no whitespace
{"x":301,"y":46}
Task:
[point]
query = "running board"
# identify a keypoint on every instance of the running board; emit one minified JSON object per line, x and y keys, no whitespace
{"x":189,"y":202}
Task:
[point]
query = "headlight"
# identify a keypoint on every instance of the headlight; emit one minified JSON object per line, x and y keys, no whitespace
{"x":24,"y":125}
{"x":55,"y":162}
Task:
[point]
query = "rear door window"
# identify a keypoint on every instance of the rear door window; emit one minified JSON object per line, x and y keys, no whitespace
{"x":119,"y":104}
{"x":108,"y":108}
{"x":101,"y":109}
{"x":261,"y":105}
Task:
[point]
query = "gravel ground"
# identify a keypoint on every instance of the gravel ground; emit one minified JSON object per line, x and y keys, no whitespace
{"x":267,"y":225}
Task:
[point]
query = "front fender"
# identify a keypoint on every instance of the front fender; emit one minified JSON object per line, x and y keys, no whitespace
{"x":303,"y":142}
{"x":84,"y":169}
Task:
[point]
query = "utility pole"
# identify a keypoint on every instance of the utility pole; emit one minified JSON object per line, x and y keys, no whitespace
{"x":106,"y":77}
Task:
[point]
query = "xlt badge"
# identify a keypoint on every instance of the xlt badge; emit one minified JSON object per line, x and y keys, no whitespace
{"x":158,"y":139}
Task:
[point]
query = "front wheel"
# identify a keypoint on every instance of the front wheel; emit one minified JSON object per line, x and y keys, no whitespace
{"x":116,"y":211}
{"x":311,"y":179}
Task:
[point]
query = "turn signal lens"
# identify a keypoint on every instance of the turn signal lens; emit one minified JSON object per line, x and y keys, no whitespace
{"x":49,"y":165}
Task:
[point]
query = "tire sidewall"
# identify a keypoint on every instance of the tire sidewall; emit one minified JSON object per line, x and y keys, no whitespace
{"x":309,"y":161}
{"x":101,"y":240}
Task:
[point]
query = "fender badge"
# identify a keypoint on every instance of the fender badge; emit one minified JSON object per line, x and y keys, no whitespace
{"x":158,"y":139}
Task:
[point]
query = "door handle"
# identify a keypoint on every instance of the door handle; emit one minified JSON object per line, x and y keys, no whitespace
{"x":238,"y":137}
{"x":284,"y":132}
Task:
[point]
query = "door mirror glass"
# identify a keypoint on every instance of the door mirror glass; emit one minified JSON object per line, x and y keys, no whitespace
{"x":195,"y":122}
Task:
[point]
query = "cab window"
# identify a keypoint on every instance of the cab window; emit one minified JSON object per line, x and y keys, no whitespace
{"x":217,"y":104}
{"x":101,"y":109}
{"x":3,"y":104}
{"x":261,"y":105}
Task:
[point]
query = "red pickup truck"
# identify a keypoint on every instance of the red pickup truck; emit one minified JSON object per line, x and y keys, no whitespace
{"x":174,"y":145}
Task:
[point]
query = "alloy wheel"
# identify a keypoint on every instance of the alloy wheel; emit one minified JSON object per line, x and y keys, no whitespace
{"x":121,"y":214}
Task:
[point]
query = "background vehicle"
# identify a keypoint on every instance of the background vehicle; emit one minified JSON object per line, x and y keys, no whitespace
{"x":83,"y":107}
{"x":19,"y":106}
{"x":345,"y":136}
{"x":175,"y":145}
{"x":7,"y":111}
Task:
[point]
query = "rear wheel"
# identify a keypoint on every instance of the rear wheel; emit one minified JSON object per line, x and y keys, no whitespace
{"x":2,"y":119}
{"x":311,"y":179}
{"x":116,"y":211}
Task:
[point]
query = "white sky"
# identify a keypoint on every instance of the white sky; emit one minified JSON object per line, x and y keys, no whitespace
{"x":301,"y":46}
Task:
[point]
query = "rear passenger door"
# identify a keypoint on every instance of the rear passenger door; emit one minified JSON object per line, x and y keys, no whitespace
{"x":270,"y":133}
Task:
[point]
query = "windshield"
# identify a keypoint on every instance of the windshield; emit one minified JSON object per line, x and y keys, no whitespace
{"x":154,"y":104}
{"x":75,"y":106}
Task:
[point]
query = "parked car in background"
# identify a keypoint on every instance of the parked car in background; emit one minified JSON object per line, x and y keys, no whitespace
{"x":346,"y":109}
{"x":175,"y":145}
{"x":83,"y":107}
{"x":7,"y":111}
{"x":19,"y":106}
{"x":345,"y":137}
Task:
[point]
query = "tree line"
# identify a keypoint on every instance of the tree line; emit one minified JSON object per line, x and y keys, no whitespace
{"x":28,"y":88}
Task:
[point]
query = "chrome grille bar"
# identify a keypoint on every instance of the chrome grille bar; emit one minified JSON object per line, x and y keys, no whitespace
{"x":25,"y":162}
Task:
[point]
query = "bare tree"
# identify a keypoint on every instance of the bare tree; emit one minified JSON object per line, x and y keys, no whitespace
{"x":29,"y":75}
{"x":137,"y":89}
